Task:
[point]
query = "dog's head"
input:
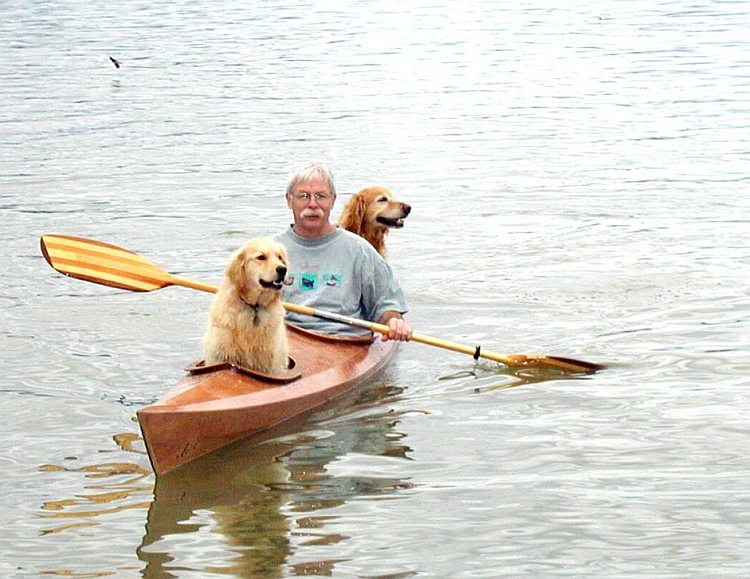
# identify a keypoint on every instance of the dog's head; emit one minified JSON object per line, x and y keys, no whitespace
{"x":375,"y":207}
{"x":257,"y":270}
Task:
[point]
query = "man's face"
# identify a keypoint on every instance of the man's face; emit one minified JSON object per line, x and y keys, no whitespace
{"x":311,"y":203}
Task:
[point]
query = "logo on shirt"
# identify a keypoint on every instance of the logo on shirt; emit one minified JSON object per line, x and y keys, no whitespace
{"x":332,"y":279}
{"x":311,"y":281}
{"x":308,"y":282}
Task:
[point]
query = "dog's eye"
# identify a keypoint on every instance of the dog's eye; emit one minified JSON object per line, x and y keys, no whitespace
{"x":383,"y":200}
{"x":261,"y":257}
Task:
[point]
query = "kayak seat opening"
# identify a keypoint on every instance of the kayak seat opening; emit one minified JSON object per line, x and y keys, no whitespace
{"x":291,"y":374}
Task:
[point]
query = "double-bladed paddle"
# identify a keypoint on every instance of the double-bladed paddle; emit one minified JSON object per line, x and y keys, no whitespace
{"x":113,"y":266}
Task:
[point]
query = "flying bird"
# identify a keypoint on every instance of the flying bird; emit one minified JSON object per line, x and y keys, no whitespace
{"x":115,"y":62}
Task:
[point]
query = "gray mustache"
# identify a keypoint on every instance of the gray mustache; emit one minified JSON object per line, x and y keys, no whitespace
{"x":311,"y":212}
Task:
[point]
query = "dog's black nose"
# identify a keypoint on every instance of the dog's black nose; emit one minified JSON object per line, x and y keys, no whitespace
{"x":281,"y":272}
{"x":407,"y":209}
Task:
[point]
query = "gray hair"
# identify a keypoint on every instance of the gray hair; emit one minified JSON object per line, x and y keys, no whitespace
{"x":308,"y":171}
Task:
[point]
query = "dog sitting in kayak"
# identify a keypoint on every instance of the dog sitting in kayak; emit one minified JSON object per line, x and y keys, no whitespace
{"x":371,"y":213}
{"x":246,"y":318}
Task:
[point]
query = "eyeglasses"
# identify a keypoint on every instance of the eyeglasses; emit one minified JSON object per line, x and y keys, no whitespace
{"x":305,"y":196}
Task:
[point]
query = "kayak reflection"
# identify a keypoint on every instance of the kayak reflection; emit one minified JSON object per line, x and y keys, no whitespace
{"x":246,"y":508}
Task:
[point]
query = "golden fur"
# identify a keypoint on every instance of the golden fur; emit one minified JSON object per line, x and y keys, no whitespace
{"x":246,"y":319}
{"x":371,"y":213}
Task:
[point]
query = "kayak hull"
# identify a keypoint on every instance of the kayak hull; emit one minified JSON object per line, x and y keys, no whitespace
{"x":212,"y":407}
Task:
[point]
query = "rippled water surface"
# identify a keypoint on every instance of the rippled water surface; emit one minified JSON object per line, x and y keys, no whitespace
{"x":579,"y":174}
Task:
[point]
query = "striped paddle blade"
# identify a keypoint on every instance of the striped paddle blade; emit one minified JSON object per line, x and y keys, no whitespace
{"x":103,"y":263}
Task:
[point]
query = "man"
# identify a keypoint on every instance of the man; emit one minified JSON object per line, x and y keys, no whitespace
{"x":332,"y":269}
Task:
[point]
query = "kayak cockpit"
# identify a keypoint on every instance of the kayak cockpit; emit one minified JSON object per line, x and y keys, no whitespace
{"x":291,"y":374}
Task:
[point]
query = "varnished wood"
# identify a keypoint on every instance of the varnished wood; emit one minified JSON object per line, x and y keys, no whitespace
{"x":109,"y":265}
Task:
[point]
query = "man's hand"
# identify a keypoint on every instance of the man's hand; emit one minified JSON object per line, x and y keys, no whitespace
{"x":398,"y":328}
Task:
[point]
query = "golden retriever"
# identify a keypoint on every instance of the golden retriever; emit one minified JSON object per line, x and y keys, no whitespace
{"x":371,"y":213}
{"x":246,"y":318}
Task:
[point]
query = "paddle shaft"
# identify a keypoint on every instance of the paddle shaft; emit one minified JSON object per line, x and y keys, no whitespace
{"x":416,"y":337}
{"x":107,"y":264}
{"x":514,"y":360}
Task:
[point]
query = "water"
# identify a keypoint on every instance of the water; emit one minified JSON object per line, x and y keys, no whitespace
{"x":579,"y":175}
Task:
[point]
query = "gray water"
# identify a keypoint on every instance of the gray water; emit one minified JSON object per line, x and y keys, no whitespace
{"x":579,"y":173}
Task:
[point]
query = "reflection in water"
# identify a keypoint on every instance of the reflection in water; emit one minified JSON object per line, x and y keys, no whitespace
{"x":111,"y":489}
{"x":230,"y":485}
{"x":260,"y":507}
{"x":487,"y":377}
{"x":263,"y":498}
{"x":117,"y":485}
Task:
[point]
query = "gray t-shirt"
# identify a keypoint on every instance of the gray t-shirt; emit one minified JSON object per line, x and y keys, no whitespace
{"x":340,"y":273}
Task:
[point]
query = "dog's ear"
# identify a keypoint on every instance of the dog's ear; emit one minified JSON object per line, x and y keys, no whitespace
{"x":236,"y":268}
{"x":353,"y":217}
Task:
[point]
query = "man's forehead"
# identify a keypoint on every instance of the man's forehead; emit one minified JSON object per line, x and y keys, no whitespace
{"x":312,"y":185}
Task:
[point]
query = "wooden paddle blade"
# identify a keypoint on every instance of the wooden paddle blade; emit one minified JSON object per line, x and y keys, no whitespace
{"x":573,"y":365}
{"x":534,"y":361}
{"x":103,"y":263}
{"x":562,"y":364}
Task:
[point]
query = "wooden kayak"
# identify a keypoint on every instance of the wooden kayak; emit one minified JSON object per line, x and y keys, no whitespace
{"x":213,"y":406}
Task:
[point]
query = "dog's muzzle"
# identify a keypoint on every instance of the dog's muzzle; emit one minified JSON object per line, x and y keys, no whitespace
{"x":396,"y":222}
{"x":278,"y":282}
